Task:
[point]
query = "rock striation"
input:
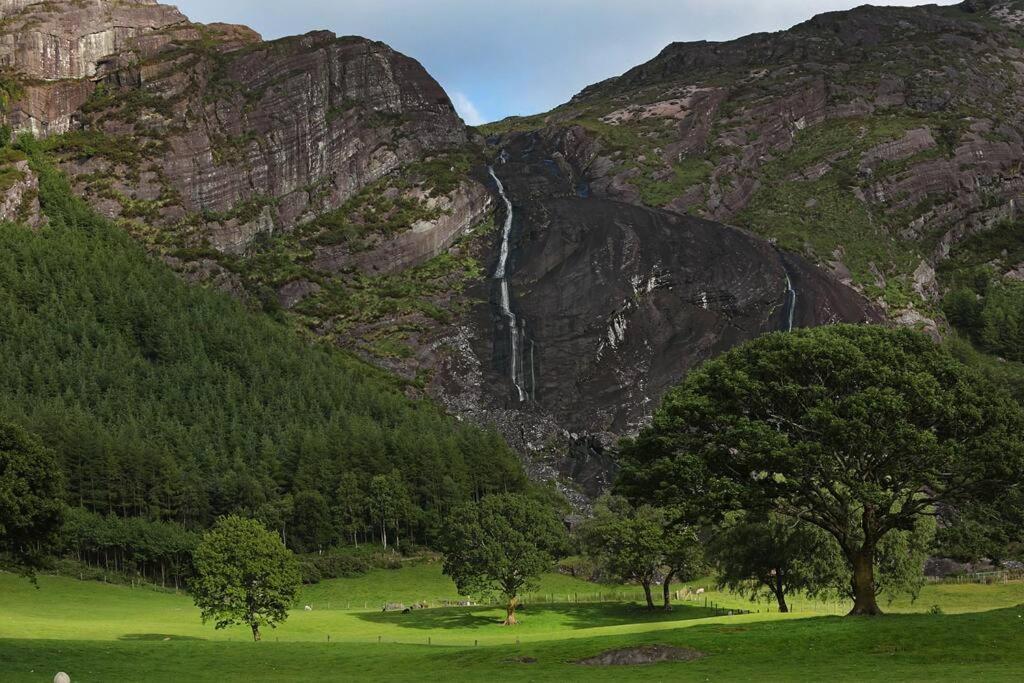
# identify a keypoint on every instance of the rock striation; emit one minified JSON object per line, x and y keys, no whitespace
{"x":613,"y":303}
{"x":868,"y":140}
{"x":214,"y":135}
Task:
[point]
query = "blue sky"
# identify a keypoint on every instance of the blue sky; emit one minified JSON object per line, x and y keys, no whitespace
{"x":497,"y":58}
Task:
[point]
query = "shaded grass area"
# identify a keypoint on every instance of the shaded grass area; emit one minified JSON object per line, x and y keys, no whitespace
{"x":104,"y":632}
{"x":909,"y":647}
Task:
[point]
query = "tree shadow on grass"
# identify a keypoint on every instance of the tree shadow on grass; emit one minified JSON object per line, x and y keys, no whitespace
{"x":568,"y":615}
{"x":152,"y":637}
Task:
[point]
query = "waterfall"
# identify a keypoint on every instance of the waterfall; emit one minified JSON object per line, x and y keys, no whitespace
{"x":500,"y":274}
{"x":790,"y":302}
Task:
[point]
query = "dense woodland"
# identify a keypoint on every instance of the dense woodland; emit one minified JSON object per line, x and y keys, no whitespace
{"x":174,"y":404}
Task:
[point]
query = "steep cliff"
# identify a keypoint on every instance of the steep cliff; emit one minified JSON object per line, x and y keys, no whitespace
{"x":869,"y":140}
{"x":605,"y":305}
{"x":329,"y":181}
{"x":211,"y":134}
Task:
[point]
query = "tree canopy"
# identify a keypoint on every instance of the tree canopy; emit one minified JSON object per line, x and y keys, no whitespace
{"x":175,"y":403}
{"x":244,"y":575}
{"x":31,"y":503}
{"x":859,"y":430}
{"x":642,"y":544}
{"x":502,"y":544}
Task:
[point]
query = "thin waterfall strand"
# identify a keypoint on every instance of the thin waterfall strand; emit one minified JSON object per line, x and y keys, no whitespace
{"x":506,"y":303}
{"x":791,"y":301}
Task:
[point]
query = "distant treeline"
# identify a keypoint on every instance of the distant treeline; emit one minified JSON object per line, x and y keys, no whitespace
{"x":173,"y":403}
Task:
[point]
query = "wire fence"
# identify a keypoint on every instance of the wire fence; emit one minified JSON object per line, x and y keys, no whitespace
{"x":989,"y":577}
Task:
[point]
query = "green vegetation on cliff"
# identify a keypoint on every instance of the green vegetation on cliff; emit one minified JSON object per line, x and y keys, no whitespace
{"x":176,"y":403}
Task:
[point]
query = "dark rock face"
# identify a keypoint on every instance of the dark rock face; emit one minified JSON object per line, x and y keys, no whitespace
{"x":617,"y":301}
{"x":614,"y":304}
{"x":903,"y":126}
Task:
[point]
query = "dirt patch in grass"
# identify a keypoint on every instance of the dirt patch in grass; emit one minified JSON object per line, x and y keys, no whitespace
{"x":645,"y":654}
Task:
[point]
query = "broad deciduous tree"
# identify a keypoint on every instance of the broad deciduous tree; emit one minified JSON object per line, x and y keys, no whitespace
{"x":31,"y":509}
{"x":858,"y":430}
{"x":501,"y":545}
{"x":244,"y":575}
{"x":757,"y":554}
{"x":642,"y":544}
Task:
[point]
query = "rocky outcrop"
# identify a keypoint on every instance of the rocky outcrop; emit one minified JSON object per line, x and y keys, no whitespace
{"x":457,"y":213}
{"x":67,"y":40}
{"x":905,"y":125}
{"x":216,"y":136}
{"x":613,"y":304}
{"x":19,"y":193}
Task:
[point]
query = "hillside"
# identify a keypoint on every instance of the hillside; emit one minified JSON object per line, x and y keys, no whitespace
{"x":871,"y":141}
{"x":551,"y":280}
{"x":176,"y":403}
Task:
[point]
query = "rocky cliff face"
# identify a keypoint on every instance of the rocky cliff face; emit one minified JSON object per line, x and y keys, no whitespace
{"x":19,"y":191}
{"x":208,"y":132}
{"x":612,"y":304}
{"x":868,"y":140}
{"x":67,"y":40}
{"x":329,"y":181}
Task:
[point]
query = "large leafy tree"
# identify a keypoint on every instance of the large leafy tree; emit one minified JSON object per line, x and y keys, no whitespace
{"x":857,"y":430}
{"x":776,"y":555}
{"x":31,"y":507}
{"x":501,"y":545}
{"x":642,"y":544}
{"x":244,"y":575}
{"x":626,"y":542}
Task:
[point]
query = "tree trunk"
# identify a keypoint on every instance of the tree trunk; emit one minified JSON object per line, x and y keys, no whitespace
{"x":864,"y":594}
{"x":779,"y":588}
{"x":781,"y":597}
{"x":383,"y":534}
{"x":510,"y":611}
{"x":647,"y":594}
{"x":666,"y":589}
{"x":255,"y":632}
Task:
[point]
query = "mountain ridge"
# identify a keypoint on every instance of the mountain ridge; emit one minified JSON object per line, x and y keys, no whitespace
{"x":720,"y":172}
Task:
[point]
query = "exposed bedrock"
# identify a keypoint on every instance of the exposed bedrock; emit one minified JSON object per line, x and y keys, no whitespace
{"x":617,"y":301}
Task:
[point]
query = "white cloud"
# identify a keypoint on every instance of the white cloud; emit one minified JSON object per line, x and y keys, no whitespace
{"x":467,"y":110}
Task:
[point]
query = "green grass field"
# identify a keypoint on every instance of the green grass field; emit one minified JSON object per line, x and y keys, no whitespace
{"x":99,"y":632}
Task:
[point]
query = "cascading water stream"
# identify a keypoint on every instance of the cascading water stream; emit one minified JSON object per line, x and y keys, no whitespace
{"x":790,"y":302}
{"x":505,"y":303}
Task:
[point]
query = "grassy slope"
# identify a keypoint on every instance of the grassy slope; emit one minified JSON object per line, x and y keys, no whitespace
{"x":99,"y":632}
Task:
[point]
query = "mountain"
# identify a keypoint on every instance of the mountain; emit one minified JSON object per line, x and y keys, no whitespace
{"x":869,"y":141}
{"x":549,"y":276}
{"x":329,"y":182}
{"x":175,"y":403}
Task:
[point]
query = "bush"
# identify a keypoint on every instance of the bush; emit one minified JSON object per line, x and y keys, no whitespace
{"x":334,"y":565}
{"x":310,"y":571}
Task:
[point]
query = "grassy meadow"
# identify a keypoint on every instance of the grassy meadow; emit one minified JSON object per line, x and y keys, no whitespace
{"x":99,"y":632}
